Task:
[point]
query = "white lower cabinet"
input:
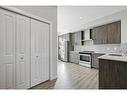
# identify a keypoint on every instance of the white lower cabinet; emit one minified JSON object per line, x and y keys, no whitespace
{"x":24,"y":51}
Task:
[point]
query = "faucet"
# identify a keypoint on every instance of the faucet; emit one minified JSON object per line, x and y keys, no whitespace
{"x":123,"y":52}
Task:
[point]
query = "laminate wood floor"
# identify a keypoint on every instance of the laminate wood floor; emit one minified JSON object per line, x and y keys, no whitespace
{"x":72,"y":76}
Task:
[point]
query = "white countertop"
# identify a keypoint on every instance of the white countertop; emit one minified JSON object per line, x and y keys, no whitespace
{"x":115,"y":58}
{"x":74,"y":51}
{"x":110,"y":57}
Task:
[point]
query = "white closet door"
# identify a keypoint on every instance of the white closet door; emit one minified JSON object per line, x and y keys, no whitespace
{"x":39,"y":52}
{"x":7,"y":49}
{"x":45,"y":51}
{"x":35,"y":57}
{"x":22,"y":52}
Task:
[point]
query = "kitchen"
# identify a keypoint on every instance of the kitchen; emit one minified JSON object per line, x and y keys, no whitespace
{"x":98,"y":42}
{"x":90,"y":54}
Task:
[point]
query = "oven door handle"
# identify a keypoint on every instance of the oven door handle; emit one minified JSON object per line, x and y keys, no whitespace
{"x":85,"y":54}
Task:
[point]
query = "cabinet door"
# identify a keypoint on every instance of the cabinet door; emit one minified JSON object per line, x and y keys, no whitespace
{"x":77,"y":38}
{"x":95,"y":36}
{"x":95,"y":61}
{"x":114,"y":33}
{"x":100,"y":35}
{"x":74,"y":57}
{"x":39,"y":52}
{"x":87,"y":34}
{"x":22,"y":52}
{"x":71,"y":42}
{"x":7,"y":50}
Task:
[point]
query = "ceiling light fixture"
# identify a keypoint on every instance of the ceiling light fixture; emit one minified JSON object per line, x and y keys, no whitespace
{"x":80,"y":17}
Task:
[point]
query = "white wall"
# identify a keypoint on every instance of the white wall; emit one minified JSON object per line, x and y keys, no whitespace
{"x":50,"y":13}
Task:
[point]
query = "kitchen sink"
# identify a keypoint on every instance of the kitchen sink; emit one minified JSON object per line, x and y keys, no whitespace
{"x":115,"y":55}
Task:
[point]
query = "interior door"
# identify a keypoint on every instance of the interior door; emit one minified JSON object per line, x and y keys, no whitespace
{"x":35,"y":57}
{"x":45,"y":51}
{"x":39,"y":52}
{"x":22,"y":52}
{"x":7,"y":50}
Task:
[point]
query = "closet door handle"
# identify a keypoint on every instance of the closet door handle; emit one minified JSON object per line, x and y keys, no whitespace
{"x":21,"y":58}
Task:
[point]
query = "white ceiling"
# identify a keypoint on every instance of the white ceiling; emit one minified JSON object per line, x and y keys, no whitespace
{"x":70,"y":17}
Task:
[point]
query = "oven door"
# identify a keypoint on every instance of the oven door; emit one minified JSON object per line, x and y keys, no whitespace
{"x":85,"y":57}
{"x":85,"y":60}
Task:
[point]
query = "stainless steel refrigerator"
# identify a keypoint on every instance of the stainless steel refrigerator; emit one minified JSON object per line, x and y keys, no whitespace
{"x":63,"y":50}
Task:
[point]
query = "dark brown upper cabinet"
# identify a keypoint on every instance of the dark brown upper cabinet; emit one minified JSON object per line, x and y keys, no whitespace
{"x":100,"y":35}
{"x":114,"y":33}
{"x":107,"y":34}
{"x":77,"y":38}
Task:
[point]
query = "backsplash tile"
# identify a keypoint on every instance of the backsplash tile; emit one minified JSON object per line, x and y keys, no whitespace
{"x":106,"y":48}
{"x":124,"y":46}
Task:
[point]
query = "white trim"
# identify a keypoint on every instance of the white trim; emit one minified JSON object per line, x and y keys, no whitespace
{"x":51,"y":55}
{"x":16,"y":10}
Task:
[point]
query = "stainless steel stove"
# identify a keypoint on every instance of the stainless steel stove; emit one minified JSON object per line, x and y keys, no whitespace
{"x":85,"y":58}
